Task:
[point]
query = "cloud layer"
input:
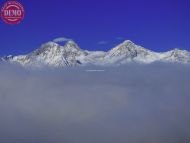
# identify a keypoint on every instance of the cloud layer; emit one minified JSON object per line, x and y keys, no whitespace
{"x":133,"y":104}
{"x":61,"y":39}
{"x":102,"y":42}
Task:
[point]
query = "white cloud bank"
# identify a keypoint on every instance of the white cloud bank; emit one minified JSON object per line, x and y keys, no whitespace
{"x":132,"y":104}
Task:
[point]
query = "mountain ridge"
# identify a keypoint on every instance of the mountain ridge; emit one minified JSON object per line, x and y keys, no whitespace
{"x":54,"y":54}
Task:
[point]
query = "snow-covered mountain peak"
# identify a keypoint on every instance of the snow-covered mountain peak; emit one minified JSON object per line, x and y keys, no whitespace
{"x":128,"y":49}
{"x":65,"y":41}
{"x":128,"y":46}
{"x":53,"y":47}
{"x":44,"y":48}
{"x":176,"y":50}
{"x":127,"y":42}
{"x":72,"y":45}
{"x":177,"y":55}
{"x":63,"y":52}
{"x":51,"y":54}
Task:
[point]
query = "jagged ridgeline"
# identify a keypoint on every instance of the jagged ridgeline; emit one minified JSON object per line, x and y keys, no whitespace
{"x":59,"y":53}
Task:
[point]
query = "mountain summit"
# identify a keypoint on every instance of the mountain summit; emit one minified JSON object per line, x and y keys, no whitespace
{"x":68,"y":53}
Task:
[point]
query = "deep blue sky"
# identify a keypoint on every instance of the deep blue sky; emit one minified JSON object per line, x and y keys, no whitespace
{"x":159,"y":25}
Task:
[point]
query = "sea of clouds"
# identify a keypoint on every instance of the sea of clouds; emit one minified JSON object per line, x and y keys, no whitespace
{"x":126,"y":104}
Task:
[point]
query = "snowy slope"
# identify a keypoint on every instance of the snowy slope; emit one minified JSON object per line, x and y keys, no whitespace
{"x":51,"y":54}
{"x":128,"y":51}
{"x":59,"y":53}
{"x":176,"y":55}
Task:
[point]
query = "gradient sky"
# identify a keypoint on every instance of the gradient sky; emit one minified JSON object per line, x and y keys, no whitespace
{"x":159,"y":25}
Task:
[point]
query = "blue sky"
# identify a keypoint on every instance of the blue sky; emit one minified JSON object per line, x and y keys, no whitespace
{"x":159,"y":25}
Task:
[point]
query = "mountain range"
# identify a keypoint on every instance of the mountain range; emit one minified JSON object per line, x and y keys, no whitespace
{"x":68,"y":53}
